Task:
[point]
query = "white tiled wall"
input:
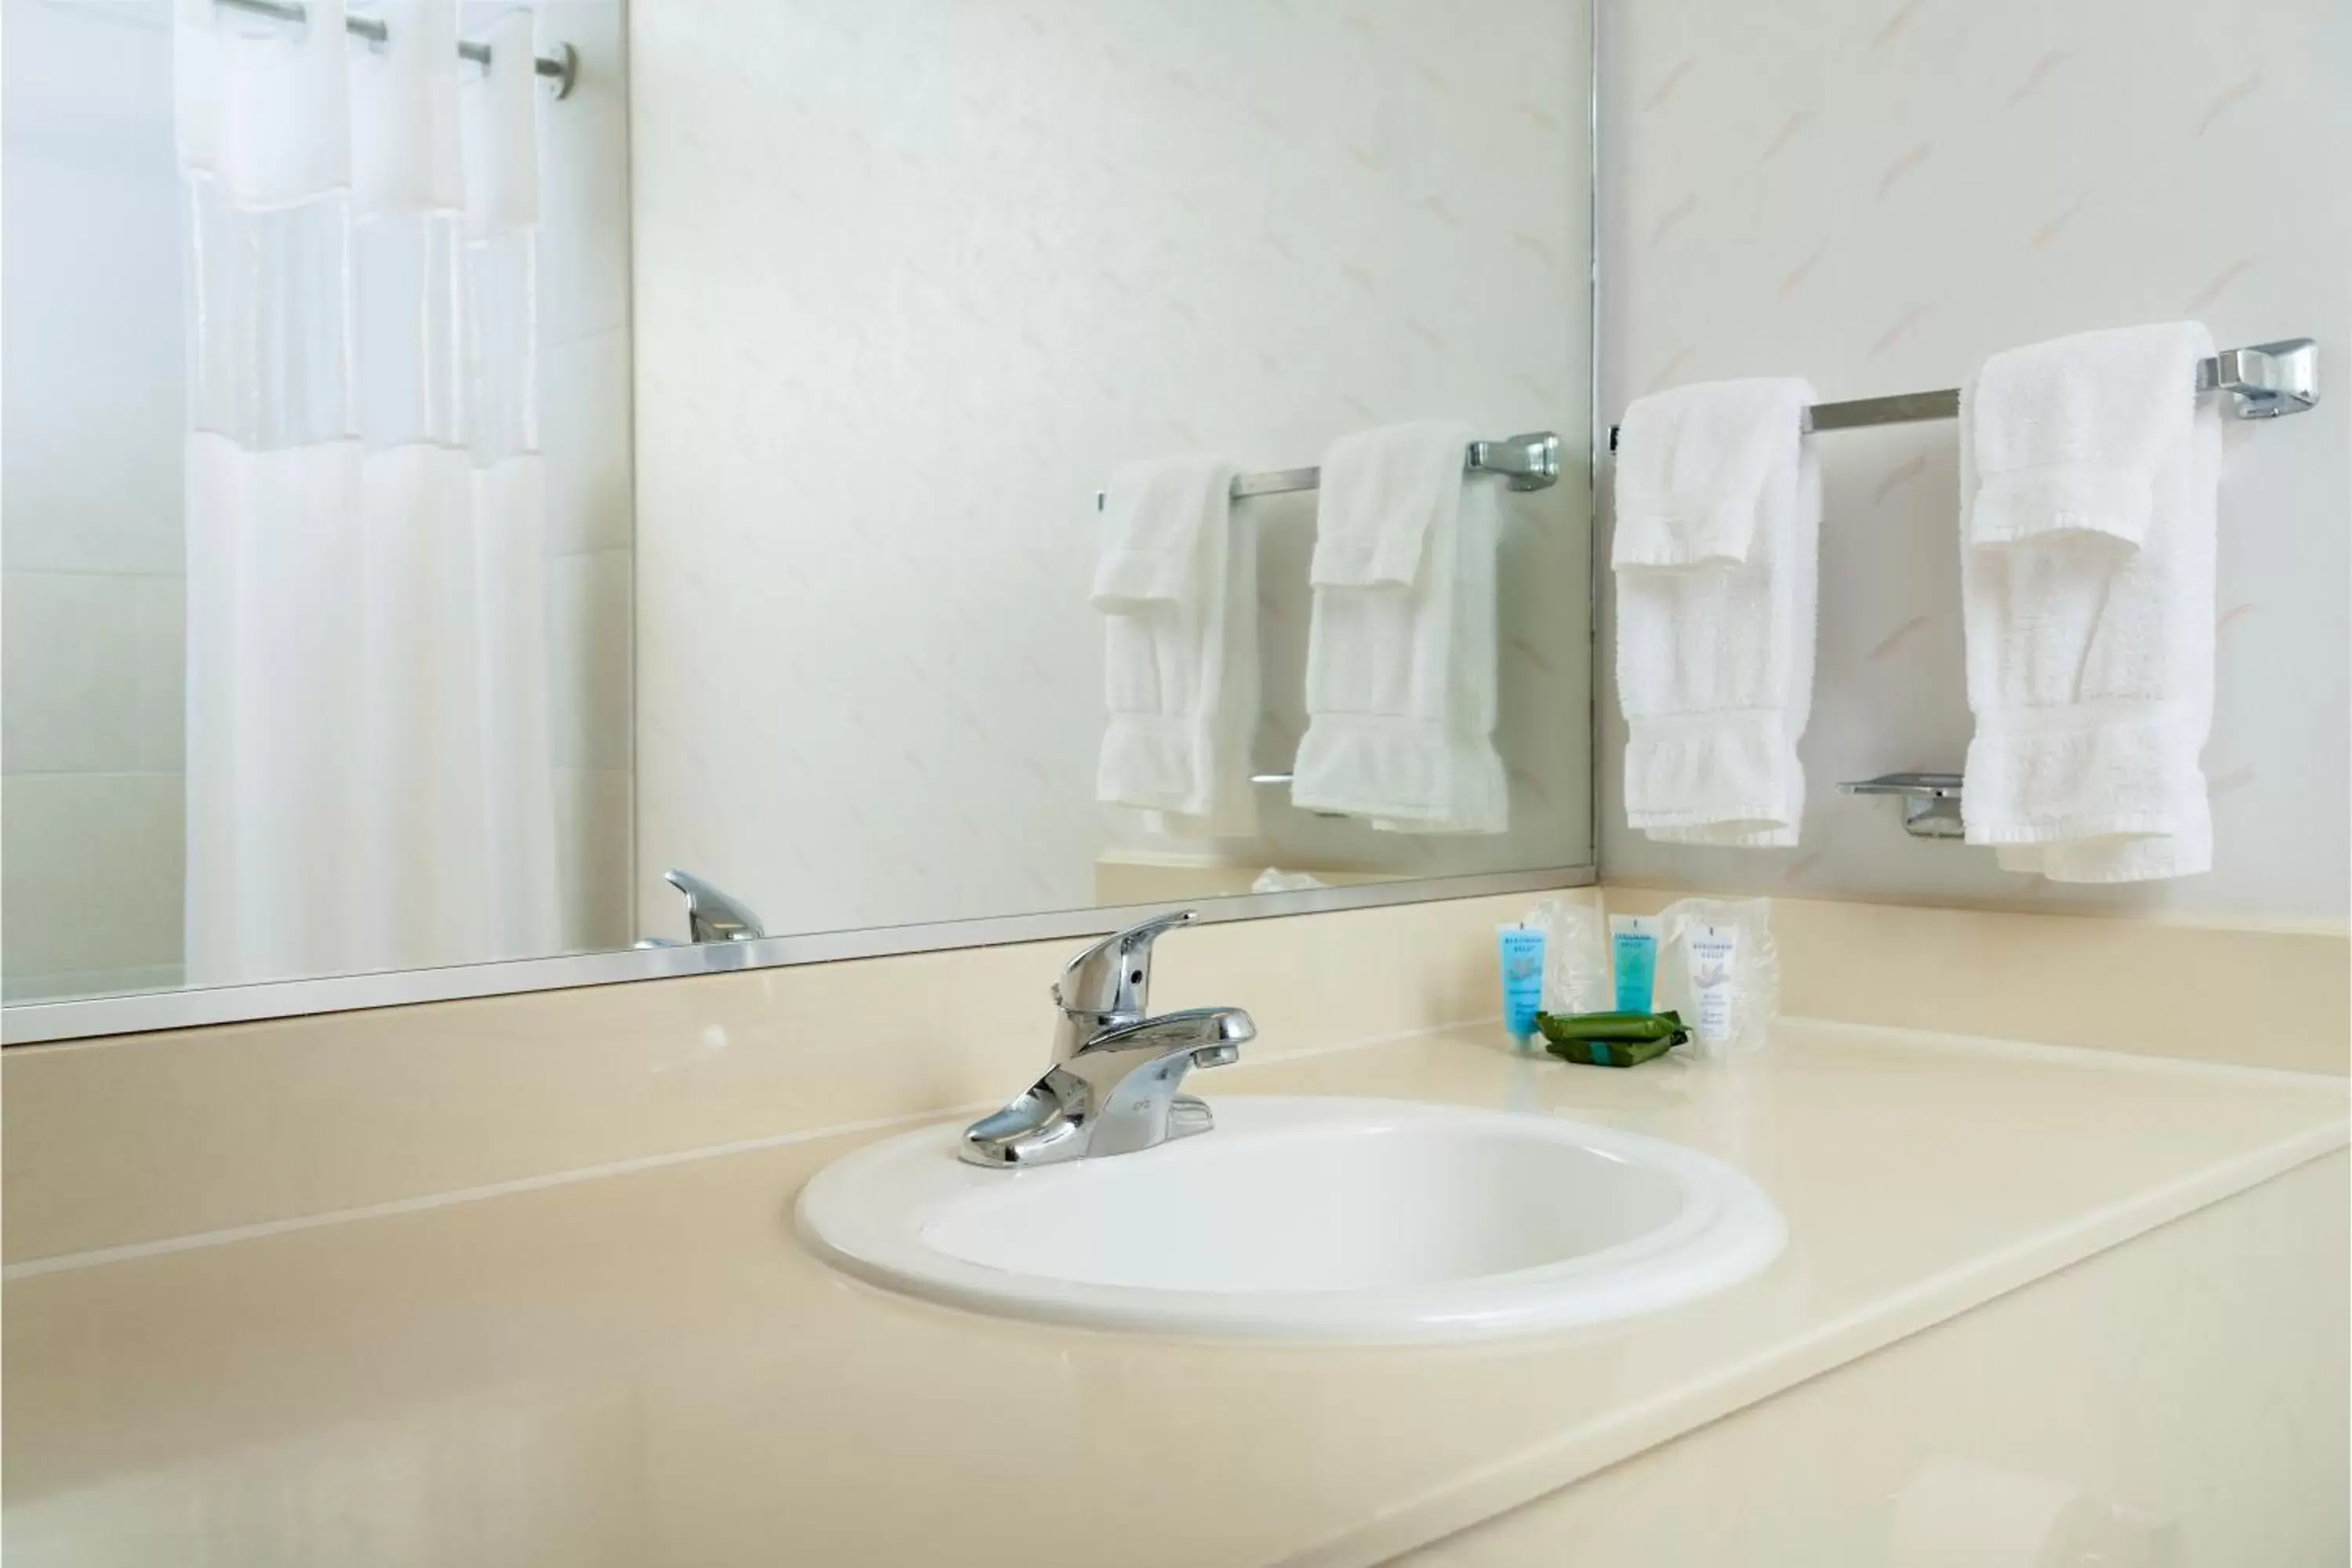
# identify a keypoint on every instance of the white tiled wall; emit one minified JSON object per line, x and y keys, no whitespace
{"x":90,"y":718}
{"x":91,"y":543}
{"x":914,"y":277}
{"x":1875,"y":194}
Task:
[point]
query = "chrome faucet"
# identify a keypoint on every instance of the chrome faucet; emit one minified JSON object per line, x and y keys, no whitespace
{"x":1112,"y":1087}
{"x":712,"y":914}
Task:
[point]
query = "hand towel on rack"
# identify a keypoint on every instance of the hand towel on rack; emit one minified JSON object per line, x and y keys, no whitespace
{"x":2089,"y":481}
{"x":2069,"y":434}
{"x":1177,"y":585}
{"x":1401,"y":646}
{"x":1716,"y":550}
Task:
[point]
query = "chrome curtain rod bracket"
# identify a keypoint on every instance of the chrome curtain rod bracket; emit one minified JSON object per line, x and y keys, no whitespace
{"x":2264,"y":381}
{"x":1528,"y":461}
{"x":562,"y":68}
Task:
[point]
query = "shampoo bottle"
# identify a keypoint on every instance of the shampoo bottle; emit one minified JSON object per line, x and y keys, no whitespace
{"x":1521,"y":950}
{"x":1633,"y":949}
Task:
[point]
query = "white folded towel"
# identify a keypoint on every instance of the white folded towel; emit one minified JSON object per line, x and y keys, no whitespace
{"x":1401,"y":651}
{"x":2089,"y":480}
{"x":1717,"y":537}
{"x":1177,"y":584}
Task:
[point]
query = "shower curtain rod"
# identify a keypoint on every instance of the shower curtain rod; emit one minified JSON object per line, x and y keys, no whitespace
{"x":562,"y":68}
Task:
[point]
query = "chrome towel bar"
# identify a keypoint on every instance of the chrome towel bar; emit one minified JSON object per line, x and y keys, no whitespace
{"x":1529,"y":461}
{"x":2264,"y":382}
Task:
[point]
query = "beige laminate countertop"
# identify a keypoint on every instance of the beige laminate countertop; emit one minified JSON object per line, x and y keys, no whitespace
{"x":647,"y":1369}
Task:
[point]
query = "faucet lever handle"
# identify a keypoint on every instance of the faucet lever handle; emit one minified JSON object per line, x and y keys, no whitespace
{"x":1114,"y":976}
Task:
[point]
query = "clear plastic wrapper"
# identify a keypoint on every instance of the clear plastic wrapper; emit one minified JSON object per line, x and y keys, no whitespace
{"x":1576,"y":957}
{"x":1755,"y":970}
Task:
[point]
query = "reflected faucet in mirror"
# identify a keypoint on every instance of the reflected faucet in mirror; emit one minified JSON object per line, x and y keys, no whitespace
{"x":1112,"y":1087}
{"x":711,"y":914}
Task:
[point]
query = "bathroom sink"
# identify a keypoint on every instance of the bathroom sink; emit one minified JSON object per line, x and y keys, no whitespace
{"x":1306,"y":1219}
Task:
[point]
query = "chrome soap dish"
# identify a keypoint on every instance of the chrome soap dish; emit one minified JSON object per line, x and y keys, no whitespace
{"x":1931,"y":802}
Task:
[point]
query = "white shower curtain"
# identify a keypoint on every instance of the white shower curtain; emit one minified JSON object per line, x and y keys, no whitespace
{"x":369,"y":781}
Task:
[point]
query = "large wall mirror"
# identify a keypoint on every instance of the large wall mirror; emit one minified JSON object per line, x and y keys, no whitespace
{"x":466,"y":461}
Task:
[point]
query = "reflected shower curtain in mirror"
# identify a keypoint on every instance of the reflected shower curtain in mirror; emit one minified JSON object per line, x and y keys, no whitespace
{"x":369,"y":781}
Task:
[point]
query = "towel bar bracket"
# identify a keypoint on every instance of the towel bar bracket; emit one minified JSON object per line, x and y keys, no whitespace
{"x":1529,"y":461}
{"x":2266,"y":380}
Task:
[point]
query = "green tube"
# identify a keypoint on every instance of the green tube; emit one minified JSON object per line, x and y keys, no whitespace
{"x":1633,"y":950}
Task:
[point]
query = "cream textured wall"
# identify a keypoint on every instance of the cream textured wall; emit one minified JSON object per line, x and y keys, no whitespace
{"x":90,"y":561}
{"x":913,"y":277}
{"x":1877,"y":194}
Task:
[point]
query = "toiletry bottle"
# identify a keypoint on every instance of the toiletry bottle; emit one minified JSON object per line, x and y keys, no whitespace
{"x":1633,"y":948}
{"x":1711,"y":958}
{"x":1521,"y":950}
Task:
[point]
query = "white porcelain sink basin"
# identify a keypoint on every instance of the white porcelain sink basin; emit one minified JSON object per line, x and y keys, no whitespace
{"x":1306,"y":1219}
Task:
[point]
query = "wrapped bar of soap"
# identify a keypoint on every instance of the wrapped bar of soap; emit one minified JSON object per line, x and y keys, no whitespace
{"x":1611,"y":1039}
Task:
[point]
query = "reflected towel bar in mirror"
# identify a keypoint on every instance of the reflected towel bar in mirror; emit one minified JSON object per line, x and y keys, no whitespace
{"x":562,"y":68}
{"x":2264,"y":381}
{"x":1531,"y":461}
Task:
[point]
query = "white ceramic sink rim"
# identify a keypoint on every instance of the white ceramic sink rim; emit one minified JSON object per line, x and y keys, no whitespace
{"x":880,"y":1212}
